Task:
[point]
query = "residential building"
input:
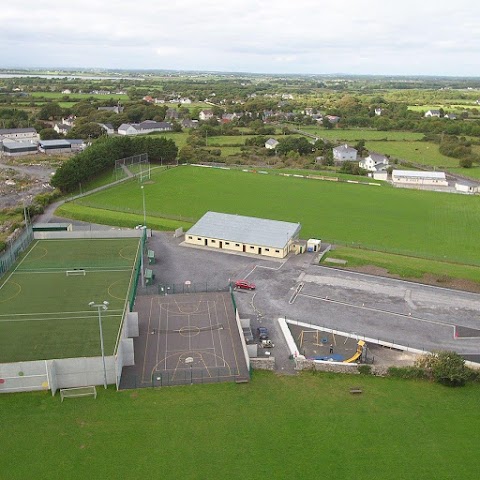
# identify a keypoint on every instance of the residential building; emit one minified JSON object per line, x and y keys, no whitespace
{"x":271,"y":144}
{"x":187,"y":123}
{"x":344,"y":153}
{"x":61,"y":128}
{"x":375,"y":162}
{"x":147,"y":126}
{"x":205,"y":115}
{"x":108,"y":127}
{"x":433,"y":113}
{"x":116,"y":109}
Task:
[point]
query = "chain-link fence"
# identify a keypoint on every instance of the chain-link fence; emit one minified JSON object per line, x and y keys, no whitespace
{"x":15,"y":248}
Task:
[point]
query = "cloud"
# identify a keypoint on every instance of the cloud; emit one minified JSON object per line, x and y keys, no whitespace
{"x":305,"y":36}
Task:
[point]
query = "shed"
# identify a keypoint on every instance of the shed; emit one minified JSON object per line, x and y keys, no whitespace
{"x":313,"y":245}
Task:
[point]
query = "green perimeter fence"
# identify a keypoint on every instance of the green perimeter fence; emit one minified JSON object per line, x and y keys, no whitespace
{"x":138,"y":270}
{"x":178,"y":288}
{"x":14,"y":249}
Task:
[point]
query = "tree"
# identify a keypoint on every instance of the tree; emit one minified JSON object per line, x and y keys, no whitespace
{"x":50,"y":111}
{"x":465,"y":163}
{"x":446,"y":367}
{"x":48,"y":134}
{"x":86,"y":131}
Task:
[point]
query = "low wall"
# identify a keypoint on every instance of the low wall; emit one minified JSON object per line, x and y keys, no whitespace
{"x":263,"y":363}
{"x":242,"y":338}
{"x":337,"y":367}
{"x":88,"y":234}
{"x":23,"y":376}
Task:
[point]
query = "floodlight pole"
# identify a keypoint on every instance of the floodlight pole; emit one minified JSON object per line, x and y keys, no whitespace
{"x":144,"y":211}
{"x":100,"y":307}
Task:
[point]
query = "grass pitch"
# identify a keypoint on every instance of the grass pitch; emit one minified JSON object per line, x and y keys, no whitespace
{"x":45,"y":313}
{"x":418,"y":223}
{"x":281,"y":427}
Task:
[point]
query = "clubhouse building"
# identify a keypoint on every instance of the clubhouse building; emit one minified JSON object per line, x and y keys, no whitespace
{"x":258,"y":236}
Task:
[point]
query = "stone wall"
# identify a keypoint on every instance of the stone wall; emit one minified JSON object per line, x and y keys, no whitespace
{"x":337,"y":367}
{"x":259,"y":363}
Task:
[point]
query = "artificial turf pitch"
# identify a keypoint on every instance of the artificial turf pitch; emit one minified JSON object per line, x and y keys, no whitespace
{"x":45,"y":313}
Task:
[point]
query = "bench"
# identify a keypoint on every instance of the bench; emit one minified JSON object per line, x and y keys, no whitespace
{"x":151,"y":256}
{"x":149,"y":276}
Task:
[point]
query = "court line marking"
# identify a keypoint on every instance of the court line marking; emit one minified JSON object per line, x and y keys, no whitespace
{"x":376,"y":310}
{"x":213,"y":337}
{"x":19,"y":289}
{"x":21,"y":261}
{"x":89,"y":270}
{"x":114,"y":296}
{"x":42,"y":256}
{"x":120,"y":254}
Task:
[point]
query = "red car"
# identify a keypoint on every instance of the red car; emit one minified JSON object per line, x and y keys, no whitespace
{"x":243,"y":284}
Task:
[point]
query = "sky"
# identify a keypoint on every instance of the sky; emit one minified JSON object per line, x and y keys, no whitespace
{"x":409,"y":37}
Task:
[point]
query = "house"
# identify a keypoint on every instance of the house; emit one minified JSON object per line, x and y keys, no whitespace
{"x":67,"y":91}
{"x":378,"y":111}
{"x":28,"y":133}
{"x":108,"y":127}
{"x":433,"y":113}
{"x":77,"y":145}
{"x":414,"y":177}
{"x":450,"y":116}
{"x":375,"y":162}
{"x":344,"y":153}
{"x":148,"y":99}
{"x":172,"y":114}
{"x":116,"y":109}
{"x":61,"y":128}
{"x":70,"y":120}
{"x":271,"y":144}
{"x":187,"y":123}
{"x":205,"y":115}
{"x":184,"y":101}
{"x":332,"y":118}
{"x":236,"y":233}
{"x":147,"y":126}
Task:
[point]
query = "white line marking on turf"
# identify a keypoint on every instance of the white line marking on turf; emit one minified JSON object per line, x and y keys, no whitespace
{"x":21,"y":261}
{"x":58,"y":318}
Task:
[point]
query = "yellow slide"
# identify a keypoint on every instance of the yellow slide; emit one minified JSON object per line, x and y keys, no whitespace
{"x":359,"y":351}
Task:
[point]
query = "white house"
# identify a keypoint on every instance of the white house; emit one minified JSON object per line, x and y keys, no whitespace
{"x":108,"y":127}
{"x":378,"y":111}
{"x":375,"y":162}
{"x":116,"y":109}
{"x":450,"y":116}
{"x":414,"y":177}
{"x":62,"y":128}
{"x":271,"y":144}
{"x":433,"y":113}
{"x":205,"y":115}
{"x":344,"y":153}
{"x":147,"y":126}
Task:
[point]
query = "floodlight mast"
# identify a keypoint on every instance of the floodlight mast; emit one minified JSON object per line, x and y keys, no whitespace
{"x":101,"y":306}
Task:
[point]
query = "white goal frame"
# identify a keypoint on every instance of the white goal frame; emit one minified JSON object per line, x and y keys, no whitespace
{"x":78,"y":392}
{"x":79,"y":271}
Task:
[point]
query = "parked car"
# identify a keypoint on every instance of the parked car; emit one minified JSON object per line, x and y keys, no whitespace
{"x":262,"y":333}
{"x":243,"y":284}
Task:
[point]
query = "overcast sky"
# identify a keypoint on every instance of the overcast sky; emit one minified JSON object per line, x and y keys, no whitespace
{"x":409,"y":37}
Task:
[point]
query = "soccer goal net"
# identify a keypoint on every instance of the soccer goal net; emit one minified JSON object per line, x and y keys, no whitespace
{"x":78,"y":392}
{"x":137,"y":166}
{"x":78,"y":271}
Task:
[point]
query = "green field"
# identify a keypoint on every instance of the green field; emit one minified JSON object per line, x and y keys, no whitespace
{"x":418,"y":223}
{"x":338,"y":134}
{"x":278,"y":427}
{"x":77,"y":96}
{"x":455,"y":108}
{"x":424,"y":153}
{"x":45,"y":313}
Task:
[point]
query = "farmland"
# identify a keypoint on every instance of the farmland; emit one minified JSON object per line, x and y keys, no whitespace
{"x":380,"y":218}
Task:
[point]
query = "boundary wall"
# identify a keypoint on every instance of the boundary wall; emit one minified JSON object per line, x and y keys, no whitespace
{"x":88,"y":234}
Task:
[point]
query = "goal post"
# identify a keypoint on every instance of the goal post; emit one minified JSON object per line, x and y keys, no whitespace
{"x":78,"y":392}
{"x":76,"y":272}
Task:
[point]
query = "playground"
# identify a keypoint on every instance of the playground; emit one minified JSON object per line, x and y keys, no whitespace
{"x":316,"y":344}
{"x":44,"y":300}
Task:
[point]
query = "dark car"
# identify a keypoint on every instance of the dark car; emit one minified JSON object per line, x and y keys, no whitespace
{"x":262,"y":333}
{"x":244,"y":285}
